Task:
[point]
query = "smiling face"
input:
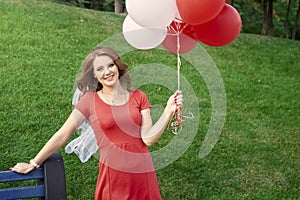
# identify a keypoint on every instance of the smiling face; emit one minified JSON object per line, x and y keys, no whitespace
{"x":106,"y":71}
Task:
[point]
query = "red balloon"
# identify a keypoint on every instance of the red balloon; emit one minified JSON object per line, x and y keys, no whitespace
{"x":187,"y":40}
{"x":221,"y":30}
{"x":199,"y":11}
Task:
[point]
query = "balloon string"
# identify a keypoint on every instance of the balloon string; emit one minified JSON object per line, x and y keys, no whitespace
{"x":179,"y":28}
{"x":178,"y":62}
{"x":177,"y":119}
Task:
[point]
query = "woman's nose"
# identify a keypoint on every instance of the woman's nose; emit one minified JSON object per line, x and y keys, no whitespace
{"x":106,"y":70}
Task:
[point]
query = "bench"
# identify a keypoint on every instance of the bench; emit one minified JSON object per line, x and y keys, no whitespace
{"x":50,"y":182}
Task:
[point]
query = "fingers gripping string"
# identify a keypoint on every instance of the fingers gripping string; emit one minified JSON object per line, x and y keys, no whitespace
{"x":176,"y":121}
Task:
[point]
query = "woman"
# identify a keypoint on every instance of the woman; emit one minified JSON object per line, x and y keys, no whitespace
{"x":123,"y":127}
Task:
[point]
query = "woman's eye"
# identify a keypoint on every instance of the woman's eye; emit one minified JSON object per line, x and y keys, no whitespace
{"x":111,"y":65}
{"x":100,"y":69}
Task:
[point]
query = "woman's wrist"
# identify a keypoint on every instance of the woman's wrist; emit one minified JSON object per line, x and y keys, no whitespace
{"x":33,"y":163}
{"x":168,"y":111}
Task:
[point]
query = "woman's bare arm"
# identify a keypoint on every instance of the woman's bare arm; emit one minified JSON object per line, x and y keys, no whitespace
{"x":151,"y":133}
{"x":54,"y":143}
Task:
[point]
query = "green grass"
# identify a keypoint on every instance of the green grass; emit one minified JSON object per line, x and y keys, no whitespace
{"x":257,"y":156}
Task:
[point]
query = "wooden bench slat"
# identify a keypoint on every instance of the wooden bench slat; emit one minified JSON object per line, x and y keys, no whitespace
{"x":8,"y":176}
{"x":22,"y":192}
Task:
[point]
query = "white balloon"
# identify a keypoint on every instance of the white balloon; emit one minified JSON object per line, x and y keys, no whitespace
{"x":152,"y":13}
{"x":142,"y":37}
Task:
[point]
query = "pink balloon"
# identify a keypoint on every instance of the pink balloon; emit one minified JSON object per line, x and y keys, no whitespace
{"x":199,"y":11}
{"x":187,"y":40}
{"x":221,"y":30}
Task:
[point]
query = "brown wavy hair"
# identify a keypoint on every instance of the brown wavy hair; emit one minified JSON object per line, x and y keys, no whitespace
{"x":86,"y":80}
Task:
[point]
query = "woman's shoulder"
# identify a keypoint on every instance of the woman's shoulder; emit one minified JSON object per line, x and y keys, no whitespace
{"x":140,"y":97}
{"x":88,"y":95}
{"x":91,"y":93}
{"x":137,"y":92}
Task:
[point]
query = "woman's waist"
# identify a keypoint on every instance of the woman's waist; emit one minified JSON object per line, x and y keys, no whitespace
{"x":133,"y":157}
{"x":129,"y":145}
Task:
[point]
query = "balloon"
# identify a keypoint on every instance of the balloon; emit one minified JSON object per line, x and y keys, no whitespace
{"x":151,"y":13}
{"x":221,"y":30}
{"x":141,"y":37}
{"x":187,"y":40}
{"x":199,"y":11}
{"x":178,"y":18}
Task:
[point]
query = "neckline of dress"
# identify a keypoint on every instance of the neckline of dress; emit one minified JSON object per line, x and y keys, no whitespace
{"x":106,"y":103}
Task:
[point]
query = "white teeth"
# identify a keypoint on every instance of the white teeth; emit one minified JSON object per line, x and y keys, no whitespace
{"x":108,"y":77}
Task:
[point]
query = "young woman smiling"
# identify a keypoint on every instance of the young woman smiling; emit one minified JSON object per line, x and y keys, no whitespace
{"x":121,"y":120}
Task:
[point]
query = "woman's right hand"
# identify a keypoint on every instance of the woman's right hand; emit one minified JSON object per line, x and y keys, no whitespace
{"x":22,"y":168}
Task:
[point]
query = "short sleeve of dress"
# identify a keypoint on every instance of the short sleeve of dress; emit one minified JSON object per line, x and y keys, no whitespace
{"x":84,"y":103}
{"x":144,"y":101}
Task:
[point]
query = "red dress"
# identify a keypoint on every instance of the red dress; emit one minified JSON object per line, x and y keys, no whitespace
{"x":125,"y":169}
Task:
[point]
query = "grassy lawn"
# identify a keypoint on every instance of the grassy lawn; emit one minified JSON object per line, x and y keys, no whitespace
{"x":257,"y":156}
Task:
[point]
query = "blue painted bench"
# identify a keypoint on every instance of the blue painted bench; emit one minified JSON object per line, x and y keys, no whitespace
{"x":50,"y":182}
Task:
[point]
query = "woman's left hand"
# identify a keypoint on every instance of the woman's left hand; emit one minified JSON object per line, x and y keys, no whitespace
{"x":175,"y":101}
